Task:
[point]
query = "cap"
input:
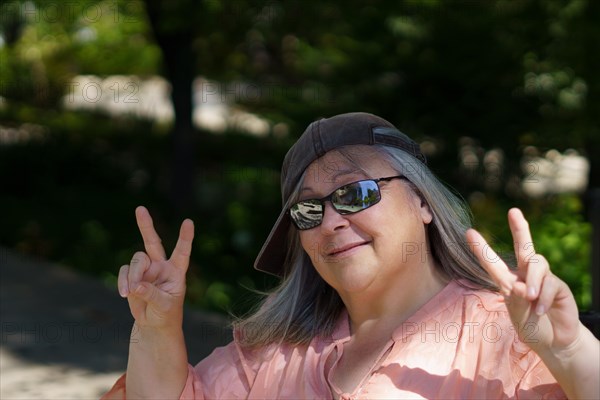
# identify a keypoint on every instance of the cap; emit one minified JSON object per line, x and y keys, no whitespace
{"x":319,"y":138}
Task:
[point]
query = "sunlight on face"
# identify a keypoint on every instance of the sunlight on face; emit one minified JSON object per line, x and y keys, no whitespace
{"x":352,"y":251}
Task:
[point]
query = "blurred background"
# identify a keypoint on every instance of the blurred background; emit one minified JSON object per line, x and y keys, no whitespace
{"x":188,"y":107}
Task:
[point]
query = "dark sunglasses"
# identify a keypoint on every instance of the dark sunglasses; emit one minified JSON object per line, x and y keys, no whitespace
{"x":348,"y":199}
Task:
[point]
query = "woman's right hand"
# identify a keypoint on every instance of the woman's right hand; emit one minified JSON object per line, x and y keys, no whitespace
{"x":154,"y":285}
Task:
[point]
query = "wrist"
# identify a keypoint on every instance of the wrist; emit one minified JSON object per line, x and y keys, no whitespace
{"x":157,"y":331}
{"x":566,"y":355}
{"x":576,"y":366}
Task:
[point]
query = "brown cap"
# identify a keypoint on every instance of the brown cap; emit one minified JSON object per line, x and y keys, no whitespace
{"x":319,"y":138}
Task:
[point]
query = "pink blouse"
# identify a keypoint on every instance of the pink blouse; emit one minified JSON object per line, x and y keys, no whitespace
{"x":461,"y":344}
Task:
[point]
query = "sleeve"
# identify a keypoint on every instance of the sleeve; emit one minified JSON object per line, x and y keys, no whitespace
{"x":535,"y":379}
{"x":506,"y":359}
{"x":538,"y":383}
{"x":119,"y":392}
{"x":224,"y":374}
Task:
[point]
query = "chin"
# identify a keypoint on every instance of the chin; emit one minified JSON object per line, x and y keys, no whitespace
{"x":353,"y":281}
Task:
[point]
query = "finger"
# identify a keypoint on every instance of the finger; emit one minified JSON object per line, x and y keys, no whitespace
{"x":491,"y":262}
{"x":159,"y":299}
{"x":122,"y":283}
{"x":523,"y":243}
{"x":548,"y":292}
{"x":537,"y":268}
{"x":183,"y":248}
{"x":138,"y":265}
{"x":152,"y":242}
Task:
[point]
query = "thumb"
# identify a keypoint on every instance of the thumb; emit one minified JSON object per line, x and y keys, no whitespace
{"x":158,"y":299}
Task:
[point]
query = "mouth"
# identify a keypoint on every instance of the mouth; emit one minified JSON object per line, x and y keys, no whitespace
{"x":338,"y":251}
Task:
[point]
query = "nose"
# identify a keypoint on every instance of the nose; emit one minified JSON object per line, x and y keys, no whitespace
{"x":332,"y":220}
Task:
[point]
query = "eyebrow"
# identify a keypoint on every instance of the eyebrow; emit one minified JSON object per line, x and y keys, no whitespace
{"x":334,"y":177}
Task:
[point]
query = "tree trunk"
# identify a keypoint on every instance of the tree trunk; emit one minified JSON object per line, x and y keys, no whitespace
{"x":178,"y":62}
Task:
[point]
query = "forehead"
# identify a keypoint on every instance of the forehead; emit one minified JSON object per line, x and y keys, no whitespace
{"x":353,"y":162}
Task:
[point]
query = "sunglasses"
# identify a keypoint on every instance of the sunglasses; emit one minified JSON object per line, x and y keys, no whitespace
{"x":348,"y":199}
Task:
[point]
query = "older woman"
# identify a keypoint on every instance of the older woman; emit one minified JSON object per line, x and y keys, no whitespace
{"x":386,"y":292}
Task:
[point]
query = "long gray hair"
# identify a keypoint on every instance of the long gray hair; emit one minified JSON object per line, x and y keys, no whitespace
{"x":304,"y":305}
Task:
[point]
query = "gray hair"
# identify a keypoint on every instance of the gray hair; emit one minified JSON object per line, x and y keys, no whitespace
{"x":304,"y":306}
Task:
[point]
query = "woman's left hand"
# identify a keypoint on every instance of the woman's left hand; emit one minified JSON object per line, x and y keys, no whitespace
{"x":541,"y":306}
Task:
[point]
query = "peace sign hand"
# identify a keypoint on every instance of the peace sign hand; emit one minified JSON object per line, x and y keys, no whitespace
{"x":155,"y":286}
{"x":541,"y":306}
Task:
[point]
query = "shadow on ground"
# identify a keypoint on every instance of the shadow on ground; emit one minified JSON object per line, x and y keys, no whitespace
{"x":53,"y":317}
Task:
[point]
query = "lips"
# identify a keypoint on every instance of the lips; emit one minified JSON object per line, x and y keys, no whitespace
{"x":342,"y":249}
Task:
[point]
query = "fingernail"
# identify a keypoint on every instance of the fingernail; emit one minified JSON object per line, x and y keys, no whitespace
{"x":123,"y":292}
{"x":140,"y":289}
{"x":531,"y":291}
{"x":540,"y":310}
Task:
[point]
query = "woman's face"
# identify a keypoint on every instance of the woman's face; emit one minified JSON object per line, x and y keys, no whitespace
{"x":371,"y":249}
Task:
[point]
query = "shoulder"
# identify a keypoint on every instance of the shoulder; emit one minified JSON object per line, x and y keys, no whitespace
{"x":486,"y":311}
{"x":460,"y":300}
{"x":501,"y":352}
{"x":483,"y":300}
{"x":486,"y":314}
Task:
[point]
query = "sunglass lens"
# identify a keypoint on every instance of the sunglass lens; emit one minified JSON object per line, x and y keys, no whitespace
{"x":307,"y":214}
{"x":355,"y":197}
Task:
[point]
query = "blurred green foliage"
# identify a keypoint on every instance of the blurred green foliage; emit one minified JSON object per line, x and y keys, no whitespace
{"x":71,"y":197}
{"x":502,"y":74}
{"x":56,"y":41}
{"x":564,"y":238}
{"x":72,"y":190}
{"x":559,"y":233}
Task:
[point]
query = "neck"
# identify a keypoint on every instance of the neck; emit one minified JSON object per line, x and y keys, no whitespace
{"x":380,"y":310}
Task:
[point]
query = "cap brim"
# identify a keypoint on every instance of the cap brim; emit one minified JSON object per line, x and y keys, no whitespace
{"x":271,"y":257}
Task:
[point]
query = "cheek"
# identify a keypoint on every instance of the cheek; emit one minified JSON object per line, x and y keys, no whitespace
{"x":308,"y":242}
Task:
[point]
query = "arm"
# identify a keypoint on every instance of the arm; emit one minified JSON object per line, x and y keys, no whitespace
{"x":536,"y":297}
{"x":576,"y":367}
{"x":155,"y":288}
{"x":157,"y":365}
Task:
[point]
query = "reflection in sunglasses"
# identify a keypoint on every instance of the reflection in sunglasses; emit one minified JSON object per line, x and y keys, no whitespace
{"x":348,"y":199}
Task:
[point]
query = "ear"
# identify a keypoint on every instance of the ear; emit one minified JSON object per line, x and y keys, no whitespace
{"x":423,"y":208}
{"x":419,"y":205}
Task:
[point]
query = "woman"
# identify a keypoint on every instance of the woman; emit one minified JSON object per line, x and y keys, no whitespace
{"x":386,"y":293}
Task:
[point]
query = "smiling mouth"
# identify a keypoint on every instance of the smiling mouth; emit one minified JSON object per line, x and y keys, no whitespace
{"x":340,"y":250}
